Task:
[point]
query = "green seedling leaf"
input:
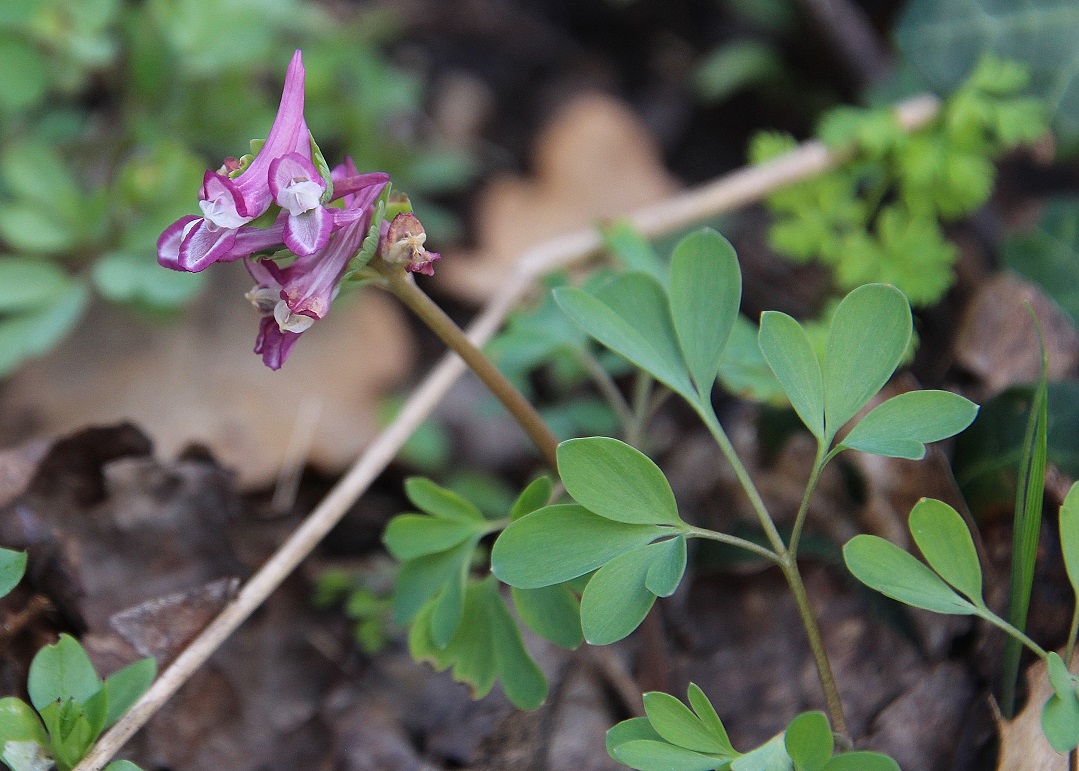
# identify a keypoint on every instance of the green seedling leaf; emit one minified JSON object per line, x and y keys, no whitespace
{"x":122,"y":765}
{"x":552,"y":612}
{"x":808,"y":740}
{"x":561,"y":542}
{"x":616,"y":481}
{"x":707,"y":713}
{"x":650,"y":755}
{"x":1060,"y":722}
{"x":770,"y":756}
{"x":423,"y":578}
{"x":631,"y":316}
{"x":96,"y":711}
{"x":20,"y":732}
{"x":61,"y":671}
{"x":449,"y":607}
{"x":27,"y":756}
{"x":533,"y":497}
{"x":522,"y":680}
{"x":861,"y":761}
{"x":674,"y":721}
{"x":440,"y":502}
{"x":633,"y":250}
{"x":947,"y":546}
{"x":705,"y":293}
{"x":30,"y":283}
{"x":870,"y":333}
{"x":668,"y":567}
{"x":409,"y":536}
{"x":12,"y":568}
{"x":126,"y":686}
{"x":1069,"y":535}
{"x":617,"y":598}
{"x":903,"y":425}
{"x":788,"y":351}
{"x":885,"y":567}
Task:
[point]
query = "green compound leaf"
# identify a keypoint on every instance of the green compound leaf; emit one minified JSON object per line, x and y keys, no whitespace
{"x":409,"y":536}
{"x":126,"y":686}
{"x":559,"y":543}
{"x":136,"y":278}
{"x":634,"y":729}
{"x":945,"y":39}
{"x":744,"y":371}
{"x":808,"y":740}
{"x":631,"y":316}
{"x":617,"y":598}
{"x":440,"y":502}
{"x":668,"y":567}
{"x":651,"y":755}
{"x":870,"y":333}
{"x":903,"y":425}
{"x":122,"y":765}
{"x":12,"y":568}
{"x":1060,"y":678}
{"x":35,"y":332}
{"x":533,"y":497}
{"x":707,"y":713}
{"x":616,"y":481}
{"x":947,"y":546}
{"x":552,"y":612}
{"x":770,"y":756}
{"x":885,"y":567}
{"x":675,"y":723}
{"x":1069,"y":535}
{"x":61,"y":671}
{"x":30,"y":283}
{"x":788,"y":351}
{"x":633,"y":250}
{"x":705,"y":293}
{"x":486,"y":646}
{"x":425,"y":577}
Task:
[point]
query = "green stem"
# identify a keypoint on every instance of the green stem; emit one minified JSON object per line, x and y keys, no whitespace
{"x":1072,"y":633}
{"x":816,"y":644}
{"x":733,"y":540}
{"x":1000,"y":623}
{"x":803,"y":510}
{"x":404,"y":288}
{"x":607,"y":387}
{"x":640,"y":409}
{"x":712,"y":422}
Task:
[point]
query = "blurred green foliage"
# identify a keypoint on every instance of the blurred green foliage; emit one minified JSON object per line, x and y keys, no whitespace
{"x":111,"y":111}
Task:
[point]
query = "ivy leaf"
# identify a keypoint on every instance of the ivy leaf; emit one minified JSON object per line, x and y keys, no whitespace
{"x":616,"y":481}
{"x":559,"y":543}
{"x":705,"y":293}
{"x":901,"y":426}
{"x":870,"y":332}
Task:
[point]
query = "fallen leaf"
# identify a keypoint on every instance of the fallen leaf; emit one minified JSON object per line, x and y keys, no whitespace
{"x":197,"y":380}
{"x":1023,"y":746}
{"x":593,"y":161}
{"x":997,"y":341}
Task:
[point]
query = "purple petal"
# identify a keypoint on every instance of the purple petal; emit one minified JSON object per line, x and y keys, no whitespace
{"x":353,"y":183}
{"x":251,"y":239}
{"x":204,"y":245}
{"x":308,"y":232}
{"x":274,"y":345}
{"x":311,"y":282}
{"x":222,"y":202}
{"x":168,"y":244}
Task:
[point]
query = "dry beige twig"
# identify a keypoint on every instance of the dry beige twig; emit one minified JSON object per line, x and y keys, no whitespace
{"x":729,"y":192}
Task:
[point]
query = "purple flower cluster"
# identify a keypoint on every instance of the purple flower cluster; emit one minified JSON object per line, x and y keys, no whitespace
{"x":283,"y":174}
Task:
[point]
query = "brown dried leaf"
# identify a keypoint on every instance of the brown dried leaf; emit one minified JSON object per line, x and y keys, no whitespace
{"x":1023,"y":746}
{"x":197,"y":380}
{"x":595,"y":160}
{"x":997,"y":341}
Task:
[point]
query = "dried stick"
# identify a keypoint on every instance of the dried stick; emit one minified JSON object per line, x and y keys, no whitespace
{"x":729,"y":192}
